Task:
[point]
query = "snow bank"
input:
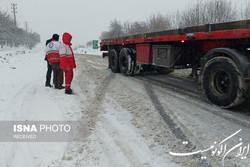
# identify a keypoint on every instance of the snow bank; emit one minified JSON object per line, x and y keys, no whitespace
{"x":6,"y":54}
{"x":89,"y":51}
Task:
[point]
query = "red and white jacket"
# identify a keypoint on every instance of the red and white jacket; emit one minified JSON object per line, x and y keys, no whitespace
{"x":52,"y":52}
{"x":67,"y":59}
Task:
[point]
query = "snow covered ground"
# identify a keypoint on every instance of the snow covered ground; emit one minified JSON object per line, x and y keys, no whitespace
{"x":88,"y":51}
{"x":129,"y":122}
{"x":24,"y":97}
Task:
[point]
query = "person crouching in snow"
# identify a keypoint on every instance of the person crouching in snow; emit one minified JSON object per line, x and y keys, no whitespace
{"x":67,"y":61}
{"x":52,"y":54}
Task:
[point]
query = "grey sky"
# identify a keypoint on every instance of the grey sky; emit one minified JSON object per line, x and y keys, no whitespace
{"x":86,"y":19}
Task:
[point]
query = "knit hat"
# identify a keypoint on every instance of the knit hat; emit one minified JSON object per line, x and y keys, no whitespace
{"x":55,"y":37}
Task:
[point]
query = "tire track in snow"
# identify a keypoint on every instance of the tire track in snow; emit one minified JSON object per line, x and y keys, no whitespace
{"x":177,"y":131}
{"x":18,"y":101}
{"x":89,"y":114}
{"x":236,"y":115}
{"x":92,"y":110}
{"x":23,"y":108}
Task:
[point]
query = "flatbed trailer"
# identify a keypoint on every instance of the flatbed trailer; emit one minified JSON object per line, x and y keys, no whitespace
{"x":221,"y":52}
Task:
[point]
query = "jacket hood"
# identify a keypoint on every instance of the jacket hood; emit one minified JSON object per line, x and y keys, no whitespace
{"x":66,"y":38}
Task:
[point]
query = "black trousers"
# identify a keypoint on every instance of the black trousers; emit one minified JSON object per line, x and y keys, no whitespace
{"x":48,"y":75}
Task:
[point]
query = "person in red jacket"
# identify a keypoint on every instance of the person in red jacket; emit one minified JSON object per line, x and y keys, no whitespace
{"x":67,"y":61}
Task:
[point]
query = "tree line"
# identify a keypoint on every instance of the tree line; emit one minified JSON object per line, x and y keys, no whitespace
{"x":11,"y":35}
{"x":198,"y":13}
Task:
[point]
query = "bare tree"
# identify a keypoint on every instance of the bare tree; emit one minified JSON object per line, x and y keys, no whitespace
{"x":106,"y":35}
{"x":245,"y":11}
{"x":116,"y":29}
{"x":127,"y":28}
{"x":206,"y":12}
{"x":89,"y":44}
{"x":158,"y":22}
{"x":175,"y":20}
{"x":137,"y":27}
{"x":199,"y":12}
{"x":221,"y":11}
{"x":11,"y":35}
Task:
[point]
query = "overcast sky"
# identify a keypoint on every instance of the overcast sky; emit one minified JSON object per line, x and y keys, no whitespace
{"x":86,"y":19}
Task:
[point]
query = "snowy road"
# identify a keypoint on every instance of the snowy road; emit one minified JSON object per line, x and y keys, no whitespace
{"x":131,"y":122}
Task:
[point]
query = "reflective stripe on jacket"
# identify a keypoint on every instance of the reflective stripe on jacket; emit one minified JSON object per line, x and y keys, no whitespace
{"x":67,"y":59}
{"x":52,"y":52}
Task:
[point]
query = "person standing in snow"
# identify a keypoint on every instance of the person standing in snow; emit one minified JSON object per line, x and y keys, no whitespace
{"x":52,"y":54}
{"x":49,"y":68}
{"x":67,"y":61}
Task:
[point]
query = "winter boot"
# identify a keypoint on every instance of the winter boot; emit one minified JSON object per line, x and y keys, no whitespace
{"x":69,"y":92}
{"x":60,"y":87}
{"x":48,"y":85}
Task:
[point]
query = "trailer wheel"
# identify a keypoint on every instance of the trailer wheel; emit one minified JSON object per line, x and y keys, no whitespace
{"x":222,"y":82}
{"x":164,"y":70}
{"x":126,"y":61}
{"x":114,"y":61}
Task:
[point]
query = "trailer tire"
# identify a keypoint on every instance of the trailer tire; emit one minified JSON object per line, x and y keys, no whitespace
{"x":222,"y":82}
{"x":114,"y":61}
{"x":126,"y":61}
